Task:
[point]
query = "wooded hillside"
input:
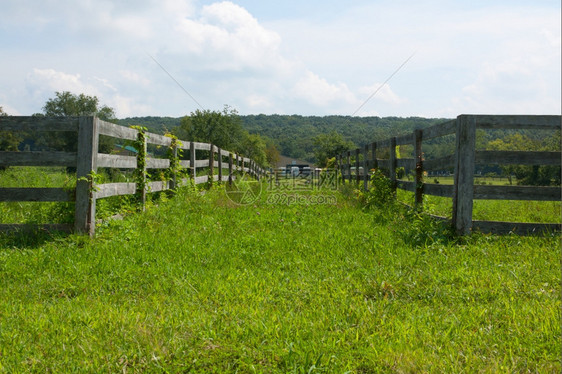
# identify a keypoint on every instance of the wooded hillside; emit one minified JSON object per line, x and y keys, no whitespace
{"x":294,"y":134}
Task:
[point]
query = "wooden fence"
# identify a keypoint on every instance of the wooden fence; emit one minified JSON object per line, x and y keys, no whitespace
{"x":87,"y":160}
{"x":463,"y":161}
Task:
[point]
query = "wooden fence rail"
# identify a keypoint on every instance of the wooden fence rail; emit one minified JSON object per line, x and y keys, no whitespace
{"x":87,"y":160}
{"x":463,"y":192}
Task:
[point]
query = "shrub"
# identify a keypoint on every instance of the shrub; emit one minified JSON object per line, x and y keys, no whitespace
{"x":380,"y":192}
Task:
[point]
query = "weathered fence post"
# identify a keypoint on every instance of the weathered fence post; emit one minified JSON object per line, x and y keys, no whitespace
{"x":357,"y":176}
{"x":219,"y":153}
{"x":463,"y":192}
{"x":192,"y":160}
{"x":375,"y":164}
{"x":418,"y":181}
{"x":173,"y":180}
{"x":348,"y":166}
{"x":338,"y":167}
{"x":85,"y":207}
{"x":392,"y":165}
{"x":230,"y":168}
{"x":211,"y":164}
{"x":365,"y":167}
{"x":141,"y":168}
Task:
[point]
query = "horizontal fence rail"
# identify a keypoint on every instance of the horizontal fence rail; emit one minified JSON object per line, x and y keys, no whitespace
{"x":88,"y":160}
{"x":465,"y":157}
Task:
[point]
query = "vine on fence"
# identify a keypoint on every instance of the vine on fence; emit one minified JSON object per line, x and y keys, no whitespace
{"x":174,"y":154}
{"x":93,"y":179}
{"x":140,"y":173}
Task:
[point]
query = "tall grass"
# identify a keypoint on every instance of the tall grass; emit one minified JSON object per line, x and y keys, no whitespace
{"x":200,"y":284}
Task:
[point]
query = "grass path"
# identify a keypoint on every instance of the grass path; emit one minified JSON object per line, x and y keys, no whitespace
{"x":199,"y":284}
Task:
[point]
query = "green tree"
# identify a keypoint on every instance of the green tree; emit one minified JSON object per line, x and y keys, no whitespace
{"x":272,"y":154}
{"x":254,"y":147}
{"x":534,"y":175}
{"x":9,"y":140}
{"x":222,"y":129}
{"x":327,"y":146}
{"x":66,"y":104}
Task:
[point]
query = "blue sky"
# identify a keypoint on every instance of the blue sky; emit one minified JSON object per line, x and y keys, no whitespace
{"x":288,"y":57}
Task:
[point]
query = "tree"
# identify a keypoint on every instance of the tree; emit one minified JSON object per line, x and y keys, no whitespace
{"x":222,"y":129}
{"x":327,"y":146}
{"x":271,"y":152}
{"x":9,"y":140}
{"x":534,"y":175}
{"x":254,"y":148}
{"x":67,"y":104}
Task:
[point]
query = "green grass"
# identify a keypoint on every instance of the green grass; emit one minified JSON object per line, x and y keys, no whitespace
{"x":36,"y":212}
{"x":493,"y":210}
{"x":199,"y":284}
{"x":53,"y":212}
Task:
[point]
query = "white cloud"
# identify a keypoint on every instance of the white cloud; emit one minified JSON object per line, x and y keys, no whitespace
{"x":318,"y":91}
{"x":50,"y":80}
{"x":106,"y":83}
{"x":383,"y":93}
{"x":471,"y":56}
{"x":9,"y":109}
{"x":134,"y":77}
{"x":129,"y":107}
{"x":258,"y":101}
{"x":43,"y":83}
{"x":230,"y":38}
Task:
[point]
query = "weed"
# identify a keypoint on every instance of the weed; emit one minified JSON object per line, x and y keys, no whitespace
{"x":380,"y":192}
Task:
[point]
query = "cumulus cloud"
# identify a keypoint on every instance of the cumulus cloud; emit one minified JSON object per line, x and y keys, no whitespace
{"x":134,"y":77}
{"x":129,"y":107}
{"x":318,"y":91}
{"x":381,"y":92}
{"x":43,"y":83}
{"x":469,"y":56}
{"x":230,"y":38}
{"x":50,"y":80}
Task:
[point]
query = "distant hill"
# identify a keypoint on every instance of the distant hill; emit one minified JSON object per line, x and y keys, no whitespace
{"x":294,"y":134}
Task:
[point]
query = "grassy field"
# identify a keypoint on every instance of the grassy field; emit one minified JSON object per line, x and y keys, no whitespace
{"x":490,"y":210}
{"x":36,"y":212}
{"x":200,"y":284}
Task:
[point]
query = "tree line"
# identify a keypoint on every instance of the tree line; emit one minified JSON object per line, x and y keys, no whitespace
{"x":265,"y":137}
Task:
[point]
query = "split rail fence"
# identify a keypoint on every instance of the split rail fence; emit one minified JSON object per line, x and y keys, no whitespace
{"x":87,"y":160}
{"x":463,"y":192}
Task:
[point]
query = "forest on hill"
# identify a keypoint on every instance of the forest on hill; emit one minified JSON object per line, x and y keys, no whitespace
{"x":295,"y":135}
{"x":304,"y":137}
{"x":264,"y":138}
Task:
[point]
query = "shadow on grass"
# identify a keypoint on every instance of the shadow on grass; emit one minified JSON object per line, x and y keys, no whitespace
{"x":29,"y":238}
